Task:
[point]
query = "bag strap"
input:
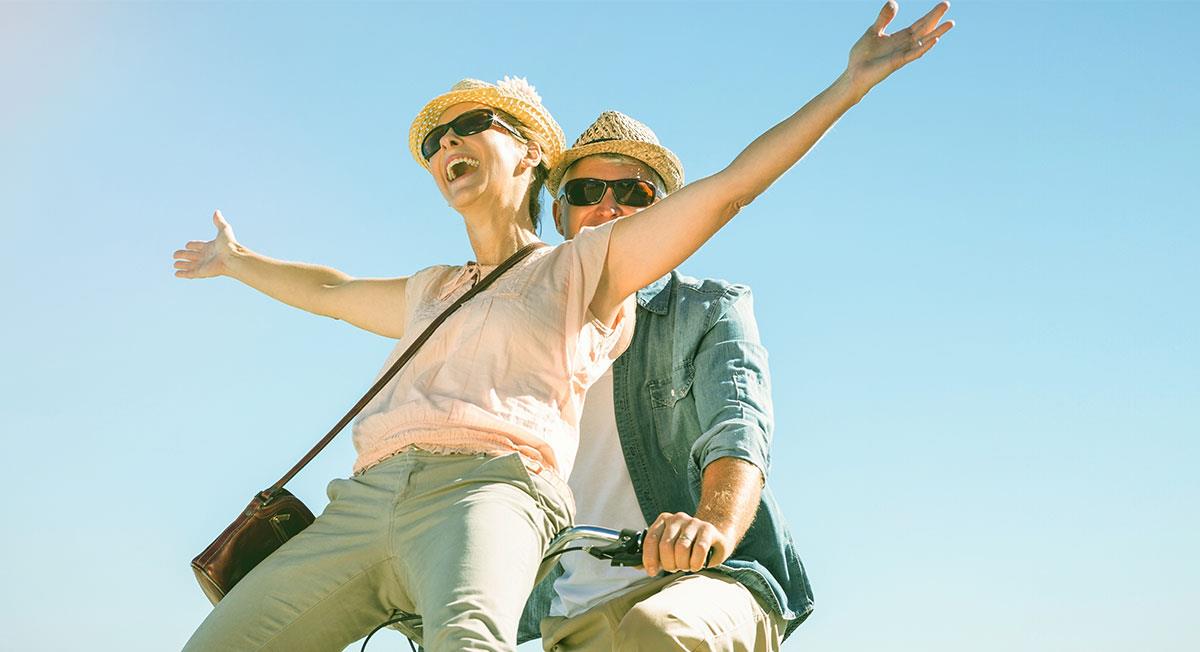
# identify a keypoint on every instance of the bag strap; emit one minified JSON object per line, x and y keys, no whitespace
{"x":521,"y":253}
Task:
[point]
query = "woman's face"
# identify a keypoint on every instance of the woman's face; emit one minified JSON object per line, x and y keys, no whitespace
{"x":487,"y":165}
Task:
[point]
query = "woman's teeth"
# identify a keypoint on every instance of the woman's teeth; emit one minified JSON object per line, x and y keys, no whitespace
{"x":457,"y":167}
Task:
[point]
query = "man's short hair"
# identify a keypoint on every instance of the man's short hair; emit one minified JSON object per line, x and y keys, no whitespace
{"x":613,"y":157}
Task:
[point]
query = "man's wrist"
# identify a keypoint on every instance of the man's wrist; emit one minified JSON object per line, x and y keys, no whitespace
{"x":845,"y":92}
{"x":729,"y":496}
{"x":727,"y":527}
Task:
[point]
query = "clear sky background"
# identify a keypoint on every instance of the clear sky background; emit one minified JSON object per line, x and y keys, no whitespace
{"x":979,"y":291}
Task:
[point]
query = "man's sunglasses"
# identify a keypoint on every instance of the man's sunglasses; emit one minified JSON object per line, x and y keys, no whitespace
{"x":637,"y":193}
{"x":467,"y":124}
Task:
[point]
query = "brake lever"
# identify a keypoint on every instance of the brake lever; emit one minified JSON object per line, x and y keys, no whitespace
{"x":625,"y":551}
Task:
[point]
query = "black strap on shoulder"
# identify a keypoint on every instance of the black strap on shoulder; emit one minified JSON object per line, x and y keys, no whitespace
{"x":408,"y":354}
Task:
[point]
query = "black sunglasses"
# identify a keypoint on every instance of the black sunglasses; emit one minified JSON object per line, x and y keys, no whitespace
{"x":637,"y":193}
{"x":467,"y":124}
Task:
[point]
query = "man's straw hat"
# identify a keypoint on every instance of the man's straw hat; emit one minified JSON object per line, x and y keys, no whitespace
{"x":513,"y":95}
{"x":616,"y":133}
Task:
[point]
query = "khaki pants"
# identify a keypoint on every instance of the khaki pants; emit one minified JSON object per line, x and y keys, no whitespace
{"x":454,"y":538}
{"x":701,"y":611}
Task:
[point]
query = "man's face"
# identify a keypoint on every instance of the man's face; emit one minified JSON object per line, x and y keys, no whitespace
{"x":570,"y":219}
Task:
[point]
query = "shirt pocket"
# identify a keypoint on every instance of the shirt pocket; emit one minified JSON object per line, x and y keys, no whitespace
{"x":666,"y":392}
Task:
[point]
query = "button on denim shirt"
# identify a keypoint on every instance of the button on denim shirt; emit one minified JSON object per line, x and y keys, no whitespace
{"x":693,"y":387}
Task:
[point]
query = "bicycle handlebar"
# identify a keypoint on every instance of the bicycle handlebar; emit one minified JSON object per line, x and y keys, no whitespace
{"x":624,"y":547}
{"x":621,"y":547}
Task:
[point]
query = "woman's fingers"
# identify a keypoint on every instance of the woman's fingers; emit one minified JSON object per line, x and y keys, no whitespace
{"x":200,"y":258}
{"x":886,"y":14}
{"x":919,"y":51}
{"x":922,"y":40}
{"x":942,"y":29}
{"x":191,"y":262}
{"x":923,"y":44}
{"x":927,"y":22}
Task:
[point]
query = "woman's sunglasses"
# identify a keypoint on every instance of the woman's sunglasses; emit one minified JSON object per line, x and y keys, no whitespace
{"x":467,"y":124}
{"x":637,"y":193}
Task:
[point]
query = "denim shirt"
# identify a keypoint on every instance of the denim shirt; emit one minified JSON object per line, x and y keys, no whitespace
{"x":693,"y":387}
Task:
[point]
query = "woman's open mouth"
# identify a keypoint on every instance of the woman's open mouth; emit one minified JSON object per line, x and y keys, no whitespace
{"x":460,"y":166}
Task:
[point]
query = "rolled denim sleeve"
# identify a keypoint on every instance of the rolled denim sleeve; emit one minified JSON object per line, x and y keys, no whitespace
{"x":732,"y":390}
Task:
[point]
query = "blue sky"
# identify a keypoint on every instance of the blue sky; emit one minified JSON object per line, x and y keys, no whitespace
{"x":979,"y":291}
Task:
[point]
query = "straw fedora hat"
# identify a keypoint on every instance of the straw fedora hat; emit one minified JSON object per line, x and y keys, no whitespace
{"x":616,"y":133}
{"x":513,"y":95}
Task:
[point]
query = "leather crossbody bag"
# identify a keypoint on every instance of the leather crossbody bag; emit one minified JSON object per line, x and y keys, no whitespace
{"x":275,"y":515}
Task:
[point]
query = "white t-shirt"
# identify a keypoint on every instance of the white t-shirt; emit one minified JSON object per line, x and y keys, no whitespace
{"x":604,"y":496}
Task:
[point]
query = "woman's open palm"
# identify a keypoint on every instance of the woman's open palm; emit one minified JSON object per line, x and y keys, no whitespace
{"x":206,"y":259}
{"x":877,"y":55}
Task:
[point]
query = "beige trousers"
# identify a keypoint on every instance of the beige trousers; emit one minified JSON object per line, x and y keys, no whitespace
{"x":454,"y":538}
{"x":700,"y":611}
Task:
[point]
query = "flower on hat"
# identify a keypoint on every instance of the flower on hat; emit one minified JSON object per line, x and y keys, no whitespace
{"x":521,"y":87}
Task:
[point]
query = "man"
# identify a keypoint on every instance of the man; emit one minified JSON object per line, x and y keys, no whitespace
{"x":675,"y":437}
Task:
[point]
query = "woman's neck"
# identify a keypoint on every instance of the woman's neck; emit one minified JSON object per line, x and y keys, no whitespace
{"x":498,"y":231}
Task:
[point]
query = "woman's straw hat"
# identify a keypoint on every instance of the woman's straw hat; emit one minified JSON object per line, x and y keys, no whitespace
{"x":616,"y":133}
{"x":513,"y":95}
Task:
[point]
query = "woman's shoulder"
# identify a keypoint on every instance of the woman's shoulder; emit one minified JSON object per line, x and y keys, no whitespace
{"x":590,"y":242}
{"x":424,"y":280}
{"x":434,"y":271}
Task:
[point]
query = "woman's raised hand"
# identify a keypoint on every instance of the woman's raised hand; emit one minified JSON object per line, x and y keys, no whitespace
{"x":207,"y":259}
{"x":877,"y":55}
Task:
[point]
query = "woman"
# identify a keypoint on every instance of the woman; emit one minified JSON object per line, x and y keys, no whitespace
{"x":457,"y":487}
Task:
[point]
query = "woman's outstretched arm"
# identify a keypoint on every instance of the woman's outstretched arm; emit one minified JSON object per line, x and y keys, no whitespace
{"x":681,"y":223}
{"x":376,"y":305}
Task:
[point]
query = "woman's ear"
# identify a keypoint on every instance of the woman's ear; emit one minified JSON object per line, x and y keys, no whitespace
{"x":533,"y":154}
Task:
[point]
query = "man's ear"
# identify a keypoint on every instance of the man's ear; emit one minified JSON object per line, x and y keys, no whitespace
{"x":556,"y":210}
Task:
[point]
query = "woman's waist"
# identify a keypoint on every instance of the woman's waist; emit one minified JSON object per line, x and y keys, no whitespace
{"x":538,"y":452}
{"x":524,"y":417}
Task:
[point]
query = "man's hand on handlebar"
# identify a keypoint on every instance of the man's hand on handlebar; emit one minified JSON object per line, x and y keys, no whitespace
{"x":682,"y":542}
